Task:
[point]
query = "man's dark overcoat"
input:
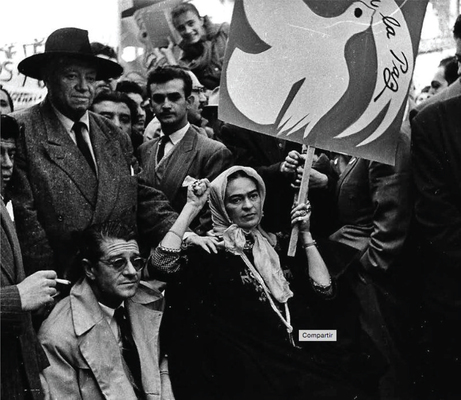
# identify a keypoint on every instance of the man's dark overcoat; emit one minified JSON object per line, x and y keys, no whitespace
{"x":56,"y":195}
{"x":22,"y":356}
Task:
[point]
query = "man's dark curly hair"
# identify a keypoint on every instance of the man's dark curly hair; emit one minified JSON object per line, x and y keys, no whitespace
{"x":168,"y":73}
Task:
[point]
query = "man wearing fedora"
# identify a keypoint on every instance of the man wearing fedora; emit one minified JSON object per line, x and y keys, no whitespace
{"x":74,"y":168}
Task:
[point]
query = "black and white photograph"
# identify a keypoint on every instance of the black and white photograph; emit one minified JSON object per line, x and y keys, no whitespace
{"x":230,"y":199}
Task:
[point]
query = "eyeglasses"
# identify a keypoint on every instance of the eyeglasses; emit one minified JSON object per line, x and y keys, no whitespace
{"x":199,"y":89}
{"x":119,"y":264}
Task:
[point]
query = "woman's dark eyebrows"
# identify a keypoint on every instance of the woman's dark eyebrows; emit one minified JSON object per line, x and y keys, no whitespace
{"x":235,"y":196}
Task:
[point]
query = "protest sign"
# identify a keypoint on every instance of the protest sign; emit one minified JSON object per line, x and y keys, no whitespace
{"x":24,"y":91}
{"x":159,"y":25}
{"x":330,"y":74}
{"x":146,"y":26}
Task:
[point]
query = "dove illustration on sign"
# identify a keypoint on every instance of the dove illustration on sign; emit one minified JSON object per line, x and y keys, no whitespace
{"x":395,"y":61}
{"x":304,"y":72}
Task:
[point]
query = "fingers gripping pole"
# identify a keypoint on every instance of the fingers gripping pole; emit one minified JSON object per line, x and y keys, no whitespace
{"x":301,"y":196}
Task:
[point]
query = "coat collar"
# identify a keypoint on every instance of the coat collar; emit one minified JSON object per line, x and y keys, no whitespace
{"x":92,"y":329}
{"x":86,"y":312}
{"x":350,"y":166}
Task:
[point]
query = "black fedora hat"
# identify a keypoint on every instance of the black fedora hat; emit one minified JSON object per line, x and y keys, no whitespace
{"x":71,"y":42}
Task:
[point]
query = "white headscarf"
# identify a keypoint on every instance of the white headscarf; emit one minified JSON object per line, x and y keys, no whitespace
{"x":266,"y":260}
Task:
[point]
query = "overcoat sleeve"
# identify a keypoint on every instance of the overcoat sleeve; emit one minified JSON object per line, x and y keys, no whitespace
{"x":155,"y":214}
{"x":10,"y":309}
{"x":437,"y":206}
{"x":390,"y":189}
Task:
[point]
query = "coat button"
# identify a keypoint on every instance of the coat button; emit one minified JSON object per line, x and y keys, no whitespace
{"x":60,"y":218}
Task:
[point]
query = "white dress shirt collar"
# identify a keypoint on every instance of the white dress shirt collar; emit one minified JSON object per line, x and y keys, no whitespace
{"x":109,"y":317}
{"x":177,"y":136}
{"x":68,"y":123}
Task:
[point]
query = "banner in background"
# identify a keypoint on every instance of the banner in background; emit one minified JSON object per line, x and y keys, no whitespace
{"x":24,"y":91}
{"x":333,"y":75}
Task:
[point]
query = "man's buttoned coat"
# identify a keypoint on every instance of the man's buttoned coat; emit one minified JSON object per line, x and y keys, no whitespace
{"x":56,"y":194}
{"x":22,"y":355}
{"x":85,"y":358}
{"x":196,"y":156}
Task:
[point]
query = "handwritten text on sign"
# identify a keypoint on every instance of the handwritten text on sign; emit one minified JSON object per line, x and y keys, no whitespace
{"x":395,"y":57}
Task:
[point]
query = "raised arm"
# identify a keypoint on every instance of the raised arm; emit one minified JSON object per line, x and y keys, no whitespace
{"x":165,"y":258}
{"x":317,"y":269}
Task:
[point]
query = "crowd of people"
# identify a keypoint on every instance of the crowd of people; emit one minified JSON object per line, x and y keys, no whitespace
{"x":144,"y":241}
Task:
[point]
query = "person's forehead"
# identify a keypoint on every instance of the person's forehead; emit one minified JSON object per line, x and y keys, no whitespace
{"x":76,"y":64}
{"x":136,"y":97}
{"x":112,"y":247}
{"x":240,"y":186}
{"x":186,"y":17}
{"x":173,"y":86}
{"x":112,"y":106}
{"x":3,"y":95}
{"x":439,"y":75}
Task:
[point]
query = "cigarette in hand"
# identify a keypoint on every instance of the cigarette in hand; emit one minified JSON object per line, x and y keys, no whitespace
{"x":63,"y":281}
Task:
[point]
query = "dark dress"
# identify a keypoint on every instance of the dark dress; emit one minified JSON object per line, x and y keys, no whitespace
{"x":224,"y":341}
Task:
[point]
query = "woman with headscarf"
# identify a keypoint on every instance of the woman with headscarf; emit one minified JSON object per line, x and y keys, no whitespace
{"x":229,"y":324}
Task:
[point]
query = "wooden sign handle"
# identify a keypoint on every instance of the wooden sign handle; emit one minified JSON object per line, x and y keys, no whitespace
{"x":301,"y":197}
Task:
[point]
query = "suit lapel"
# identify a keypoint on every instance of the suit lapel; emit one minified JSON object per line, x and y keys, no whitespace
{"x":107,"y":153}
{"x":151,"y":161}
{"x":98,"y":345}
{"x":11,"y":266}
{"x":179,"y":163}
{"x":350,"y":166}
{"x":66,"y":155}
{"x":145,"y":325}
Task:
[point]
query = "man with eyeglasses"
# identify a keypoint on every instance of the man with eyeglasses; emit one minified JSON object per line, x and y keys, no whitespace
{"x":102,"y":340}
{"x":199,"y":100}
{"x":181,"y":151}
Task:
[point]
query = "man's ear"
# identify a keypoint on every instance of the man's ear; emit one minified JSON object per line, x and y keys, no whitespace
{"x":88,"y":269}
{"x":190,"y":101}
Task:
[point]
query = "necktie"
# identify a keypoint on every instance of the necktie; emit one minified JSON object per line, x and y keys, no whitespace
{"x":82,"y":144}
{"x":129,"y":351}
{"x":161,"y":147}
